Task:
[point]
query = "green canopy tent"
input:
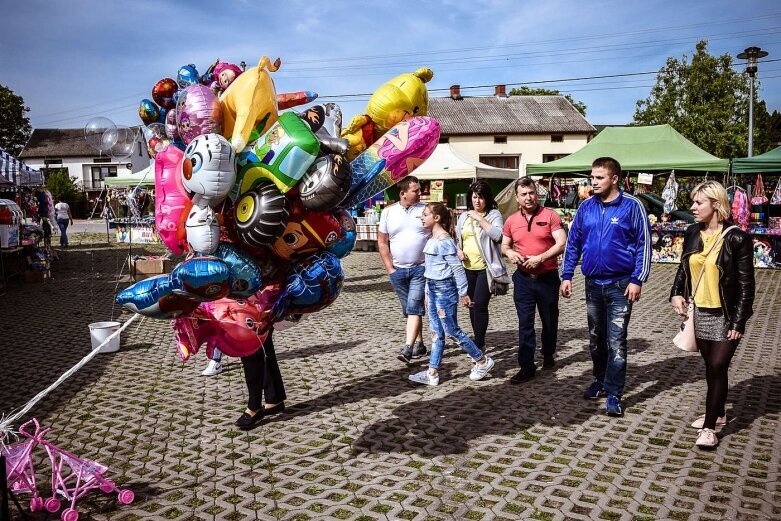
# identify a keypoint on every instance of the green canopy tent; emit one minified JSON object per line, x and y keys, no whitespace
{"x":763,"y":163}
{"x":638,"y":149}
{"x":144,"y":178}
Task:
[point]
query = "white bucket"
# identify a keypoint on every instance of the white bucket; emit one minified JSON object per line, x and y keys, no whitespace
{"x":100,"y":331}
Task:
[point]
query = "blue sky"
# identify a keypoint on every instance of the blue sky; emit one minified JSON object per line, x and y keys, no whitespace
{"x":74,"y":60}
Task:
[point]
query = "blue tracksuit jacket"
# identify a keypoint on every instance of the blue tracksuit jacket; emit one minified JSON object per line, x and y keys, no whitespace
{"x":614,"y":240}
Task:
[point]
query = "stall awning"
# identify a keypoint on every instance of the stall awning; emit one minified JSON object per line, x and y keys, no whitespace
{"x":17,"y":172}
{"x":761,"y":164}
{"x":445,"y":163}
{"x":145,"y":177}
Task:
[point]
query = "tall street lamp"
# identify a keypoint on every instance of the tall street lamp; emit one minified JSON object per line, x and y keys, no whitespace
{"x":751,"y":54}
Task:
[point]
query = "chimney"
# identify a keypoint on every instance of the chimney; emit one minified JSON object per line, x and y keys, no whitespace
{"x":455,"y":91}
{"x":500,"y":91}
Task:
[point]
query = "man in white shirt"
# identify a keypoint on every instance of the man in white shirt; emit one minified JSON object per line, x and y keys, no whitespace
{"x":401,"y":238}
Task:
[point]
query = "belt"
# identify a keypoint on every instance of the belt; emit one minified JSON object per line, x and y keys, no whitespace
{"x":533,"y":276}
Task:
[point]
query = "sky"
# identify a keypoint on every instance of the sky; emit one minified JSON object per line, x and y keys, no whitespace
{"x":78,"y":59}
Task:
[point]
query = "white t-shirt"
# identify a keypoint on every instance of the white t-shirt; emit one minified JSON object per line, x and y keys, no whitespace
{"x":61,"y":210}
{"x":407,"y":235}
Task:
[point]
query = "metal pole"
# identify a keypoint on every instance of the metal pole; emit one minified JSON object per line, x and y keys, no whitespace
{"x":751,"y":118}
{"x":5,"y":513}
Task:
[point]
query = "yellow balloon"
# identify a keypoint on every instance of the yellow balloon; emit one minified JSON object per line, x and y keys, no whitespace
{"x":251,"y":99}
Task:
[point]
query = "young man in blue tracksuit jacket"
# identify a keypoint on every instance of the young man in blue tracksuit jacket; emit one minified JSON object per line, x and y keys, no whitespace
{"x":612,"y":235}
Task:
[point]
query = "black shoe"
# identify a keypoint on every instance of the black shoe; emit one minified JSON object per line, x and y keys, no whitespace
{"x":406,"y":354}
{"x":548,"y":362}
{"x":419,"y":349}
{"x":247,"y":421}
{"x":521,"y":376}
{"x":278,"y":408}
{"x":594,"y":391}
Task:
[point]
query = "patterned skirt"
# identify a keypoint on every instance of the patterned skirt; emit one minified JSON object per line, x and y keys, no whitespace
{"x":709,"y":324}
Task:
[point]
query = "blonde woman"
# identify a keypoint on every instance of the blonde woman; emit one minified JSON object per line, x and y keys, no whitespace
{"x":723,"y":299}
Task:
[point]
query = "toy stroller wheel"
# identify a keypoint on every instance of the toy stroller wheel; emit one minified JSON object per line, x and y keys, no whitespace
{"x":36,"y":504}
{"x":69,"y":514}
{"x":107,"y":486}
{"x":126,"y":496}
{"x":52,"y":504}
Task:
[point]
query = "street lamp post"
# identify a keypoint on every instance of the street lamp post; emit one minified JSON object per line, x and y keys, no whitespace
{"x":751,"y":54}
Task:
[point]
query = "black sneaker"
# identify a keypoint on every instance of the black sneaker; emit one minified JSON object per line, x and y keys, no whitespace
{"x":406,"y":354}
{"x":594,"y":391}
{"x":419,"y":349}
{"x":521,"y":376}
{"x":548,"y":362}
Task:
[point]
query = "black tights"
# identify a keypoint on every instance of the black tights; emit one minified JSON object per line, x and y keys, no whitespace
{"x":717,"y":356}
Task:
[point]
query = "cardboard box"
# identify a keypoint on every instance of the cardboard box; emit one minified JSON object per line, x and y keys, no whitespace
{"x":141,"y":269}
{"x":37,"y":276}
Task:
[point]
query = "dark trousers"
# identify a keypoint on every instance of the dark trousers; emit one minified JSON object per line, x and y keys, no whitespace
{"x":541,"y":294}
{"x":261,"y":372}
{"x":478,"y":291}
{"x":63,"y":225}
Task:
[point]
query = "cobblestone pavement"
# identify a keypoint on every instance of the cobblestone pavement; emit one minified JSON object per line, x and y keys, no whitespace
{"x":358,"y":441}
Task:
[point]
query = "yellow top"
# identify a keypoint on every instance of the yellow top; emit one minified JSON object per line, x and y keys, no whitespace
{"x":707,"y":295}
{"x":472,"y":258}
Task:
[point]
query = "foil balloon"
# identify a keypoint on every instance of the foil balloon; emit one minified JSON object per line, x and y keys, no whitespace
{"x":306,"y":232}
{"x":250,"y":102}
{"x":224,"y":74}
{"x":288,"y":100}
{"x":326,"y":183}
{"x":402,"y":97}
{"x":314,"y":283}
{"x":190,"y":332}
{"x":203,"y":230}
{"x":172,"y":205}
{"x":187,"y":75}
{"x":282,"y":155}
{"x":155,"y":298}
{"x":209,"y":169}
{"x":148,"y":111}
{"x":198,"y":112}
{"x":347,"y":235}
{"x":245,"y":276}
{"x":201,"y":278}
{"x":161,"y":118}
{"x":394,"y":156}
{"x":239,"y":328}
{"x":261,"y":215}
{"x":171,"y":130}
{"x":163,"y":92}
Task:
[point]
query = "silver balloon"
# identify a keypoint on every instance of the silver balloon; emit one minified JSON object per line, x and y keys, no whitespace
{"x":95,"y":133}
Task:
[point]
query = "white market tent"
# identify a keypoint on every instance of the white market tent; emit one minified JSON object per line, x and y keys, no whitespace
{"x":445,"y":163}
{"x":11,"y":169}
{"x":145,"y":177}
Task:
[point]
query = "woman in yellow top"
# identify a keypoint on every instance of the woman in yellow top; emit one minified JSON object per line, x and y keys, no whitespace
{"x":723,"y":300}
{"x":479,"y":238}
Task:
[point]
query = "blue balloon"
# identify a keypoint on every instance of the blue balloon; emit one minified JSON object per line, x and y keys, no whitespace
{"x":245,"y":276}
{"x":187,"y":75}
{"x":163,"y":113}
{"x":344,"y":245}
{"x":314,"y":283}
{"x":202,"y":278}
{"x":155,"y":298}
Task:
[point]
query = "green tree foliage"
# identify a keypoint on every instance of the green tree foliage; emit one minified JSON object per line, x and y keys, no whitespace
{"x":528,"y":91}
{"x":706,"y":100}
{"x":60,"y":184}
{"x":14,"y":124}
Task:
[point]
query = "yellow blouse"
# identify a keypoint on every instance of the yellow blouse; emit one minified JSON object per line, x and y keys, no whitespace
{"x":707,"y":295}
{"x":472,"y":258}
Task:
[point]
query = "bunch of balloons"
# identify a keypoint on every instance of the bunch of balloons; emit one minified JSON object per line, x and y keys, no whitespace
{"x":258,"y":198}
{"x":108,"y":138}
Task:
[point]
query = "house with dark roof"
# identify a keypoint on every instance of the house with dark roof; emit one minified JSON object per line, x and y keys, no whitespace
{"x":56,"y":148}
{"x":510,"y":131}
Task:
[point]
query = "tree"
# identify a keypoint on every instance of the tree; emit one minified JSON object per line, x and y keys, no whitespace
{"x":14,"y":124}
{"x":706,"y":100}
{"x":528,"y":91}
{"x":61,"y":185}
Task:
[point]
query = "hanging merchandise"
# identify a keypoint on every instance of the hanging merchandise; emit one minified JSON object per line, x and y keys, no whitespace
{"x":740,"y":209}
{"x":669,"y":193}
{"x":759,"y":196}
{"x":775,"y":199}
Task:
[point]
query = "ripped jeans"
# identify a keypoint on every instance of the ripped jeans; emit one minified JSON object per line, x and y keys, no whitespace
{"x":443,"y":303}
{"x":608,"y":322}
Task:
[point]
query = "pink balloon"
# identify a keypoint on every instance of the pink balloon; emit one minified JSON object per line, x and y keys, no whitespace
{"x":198,"y":112}
{"x":171,"y":202}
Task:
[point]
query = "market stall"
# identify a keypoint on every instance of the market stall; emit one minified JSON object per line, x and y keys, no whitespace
{"x":129,"y":204}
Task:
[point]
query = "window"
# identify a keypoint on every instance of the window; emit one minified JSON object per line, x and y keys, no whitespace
{"x":500,"y":139}
{"x":102,"y":160}
{"x":48,"y":162}
{"x":503,"y":161}
{"x":444,"y":139}
{"x":556,"y":138}
{"x":99,"y":173}
{"x":547,"y":158}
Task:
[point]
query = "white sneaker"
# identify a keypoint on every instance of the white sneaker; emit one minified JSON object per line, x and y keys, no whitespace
{"x":214,"y":368}
{"x":707,"y":439}
{"x":480,"y":371}
{"x":425,"y":378}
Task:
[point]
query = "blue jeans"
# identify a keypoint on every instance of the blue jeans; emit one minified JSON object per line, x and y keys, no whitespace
{"x":608,"y":322}
{"x":63,"y":224}
{"x":443,"y":320}
{"x":410,"y":287}
{"x":541,"y":293}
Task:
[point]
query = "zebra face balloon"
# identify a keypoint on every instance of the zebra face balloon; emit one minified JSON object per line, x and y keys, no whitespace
{"x":209,"y":169}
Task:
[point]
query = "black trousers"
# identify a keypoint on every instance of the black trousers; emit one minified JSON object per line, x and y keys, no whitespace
{"x":478,"y":291}
{"x":261,"y":372}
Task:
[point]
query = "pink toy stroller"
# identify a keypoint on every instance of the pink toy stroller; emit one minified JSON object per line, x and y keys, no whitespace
{"x":20,"y":471}
{"x":72,"y":477}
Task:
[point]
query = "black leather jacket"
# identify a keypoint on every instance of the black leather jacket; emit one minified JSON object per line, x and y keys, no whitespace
{"x":736,"y":273}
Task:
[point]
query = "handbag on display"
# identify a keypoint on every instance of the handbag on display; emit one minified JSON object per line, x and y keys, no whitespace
{"x":775,"y":199}
{"x":759,"y":197}
{"x":685,"y":338}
